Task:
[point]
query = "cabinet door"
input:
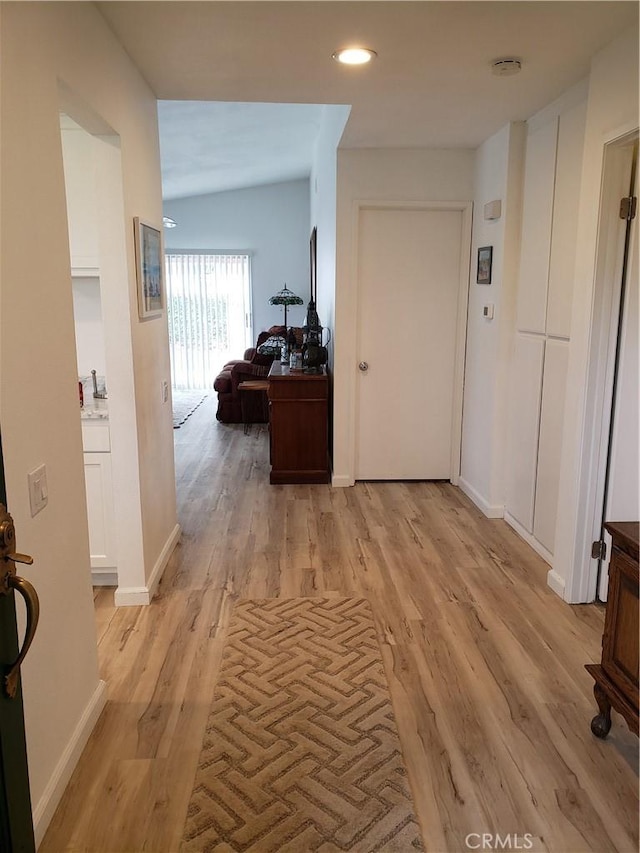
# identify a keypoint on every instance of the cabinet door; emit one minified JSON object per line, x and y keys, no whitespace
{"x":299,"y":430}
{"x":298,"y":423}
{"x":528,"y":363}
{"x":97,"y":475}
{"x":620,"y":642}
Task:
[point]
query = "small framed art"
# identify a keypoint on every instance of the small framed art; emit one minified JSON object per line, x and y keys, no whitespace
{"x":149,"y":269}
{"x":485,"y":258}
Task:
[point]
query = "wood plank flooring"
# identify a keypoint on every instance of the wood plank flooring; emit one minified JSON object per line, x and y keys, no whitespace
{"x":484,"y":662}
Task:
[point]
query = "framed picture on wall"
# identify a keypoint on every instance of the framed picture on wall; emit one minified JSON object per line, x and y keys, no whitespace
{"x":149,"y":269}
{"x":485,"y":258}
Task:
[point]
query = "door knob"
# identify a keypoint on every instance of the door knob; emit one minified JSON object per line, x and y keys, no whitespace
{"x":363,"y":366}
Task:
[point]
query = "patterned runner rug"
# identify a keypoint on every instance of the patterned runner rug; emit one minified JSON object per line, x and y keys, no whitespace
{"x":301,"y":751}
{"x":185,"y":403}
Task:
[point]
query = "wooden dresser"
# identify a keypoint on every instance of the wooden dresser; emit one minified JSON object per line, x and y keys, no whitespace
{"x":616,"y":677}
{"x":298,"y":404}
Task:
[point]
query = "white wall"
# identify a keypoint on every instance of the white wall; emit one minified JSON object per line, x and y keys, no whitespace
{"x":323,"y":211}
{"x":383,"y":175}
{"x":79,"y":157}
{"x":271,"y":222}
{"x":44,"y":45}
{"x":552,"y":461}
{"x":554,"y":146}
{"x":498,"y":176}
{"x":323,"y":217}
{"x":612,"y":111}
{"x":82,"y":205}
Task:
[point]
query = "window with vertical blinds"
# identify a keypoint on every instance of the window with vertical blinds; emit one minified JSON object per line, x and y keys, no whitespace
{"x":209,"y":313}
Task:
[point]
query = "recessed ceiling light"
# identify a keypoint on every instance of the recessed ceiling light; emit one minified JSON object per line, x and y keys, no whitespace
{"x":168,"y":222}
{"x":354,"y":55}
{"x":506,"y":67}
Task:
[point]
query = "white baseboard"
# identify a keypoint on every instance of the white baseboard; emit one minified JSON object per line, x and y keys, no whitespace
{"x":131,"y":596}
{"x":104,"y":577}
{"x":341,"y":481}
{"x":163,"y":559}
{"x":547,"y":556}
{"x":48,"y":803}
{"x":490,"y":510}
{"x":556,"y":582}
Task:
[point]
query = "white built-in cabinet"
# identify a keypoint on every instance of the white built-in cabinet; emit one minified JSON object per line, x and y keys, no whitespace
{"x":100,"y":515}
{"x":541,"y":347}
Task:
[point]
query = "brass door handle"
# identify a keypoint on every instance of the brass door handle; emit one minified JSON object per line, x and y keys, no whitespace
{"x":32,"y":603}
{"x":9,"y":580}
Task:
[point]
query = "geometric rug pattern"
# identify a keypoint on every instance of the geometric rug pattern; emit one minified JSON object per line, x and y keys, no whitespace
{"x":301,"y":751}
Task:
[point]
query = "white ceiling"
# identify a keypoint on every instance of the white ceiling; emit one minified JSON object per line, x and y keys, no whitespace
{"x":211,"y":146}
{"x":431,"y":85}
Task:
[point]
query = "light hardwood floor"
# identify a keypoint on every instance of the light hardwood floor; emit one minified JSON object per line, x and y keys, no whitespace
{"x":484,"y":662}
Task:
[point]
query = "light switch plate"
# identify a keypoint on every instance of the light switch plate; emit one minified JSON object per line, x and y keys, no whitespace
{"x":38,"y":489}
{"x":487,"y":311}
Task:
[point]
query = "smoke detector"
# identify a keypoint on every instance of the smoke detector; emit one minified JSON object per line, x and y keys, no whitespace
{"x":506,"y":67}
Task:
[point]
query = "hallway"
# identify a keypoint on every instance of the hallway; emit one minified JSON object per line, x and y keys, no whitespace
{"x":484,"y":662}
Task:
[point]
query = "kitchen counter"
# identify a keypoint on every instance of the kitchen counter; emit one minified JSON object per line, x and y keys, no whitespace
{"x":94,"y":410}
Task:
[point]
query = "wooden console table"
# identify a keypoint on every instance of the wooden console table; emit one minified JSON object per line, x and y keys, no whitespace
{"x":616,"y":677}
{"x":260,"y":386}
{"x":298,"y":405}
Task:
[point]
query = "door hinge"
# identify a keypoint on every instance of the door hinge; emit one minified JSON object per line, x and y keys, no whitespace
{"x":628,"y":207}
{"x":599,"y":550}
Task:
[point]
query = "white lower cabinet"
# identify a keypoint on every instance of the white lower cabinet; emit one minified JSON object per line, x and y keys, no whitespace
{"x":102,"y":545}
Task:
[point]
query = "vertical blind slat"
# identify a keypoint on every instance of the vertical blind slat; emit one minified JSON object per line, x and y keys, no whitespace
{"x":208,"y":298}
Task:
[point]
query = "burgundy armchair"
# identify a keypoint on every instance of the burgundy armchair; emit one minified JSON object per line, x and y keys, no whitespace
{"x":252,"y":366}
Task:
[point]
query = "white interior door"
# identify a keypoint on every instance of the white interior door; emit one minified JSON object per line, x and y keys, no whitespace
{"x":623,"y":498}
{"x":408,"y":291}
